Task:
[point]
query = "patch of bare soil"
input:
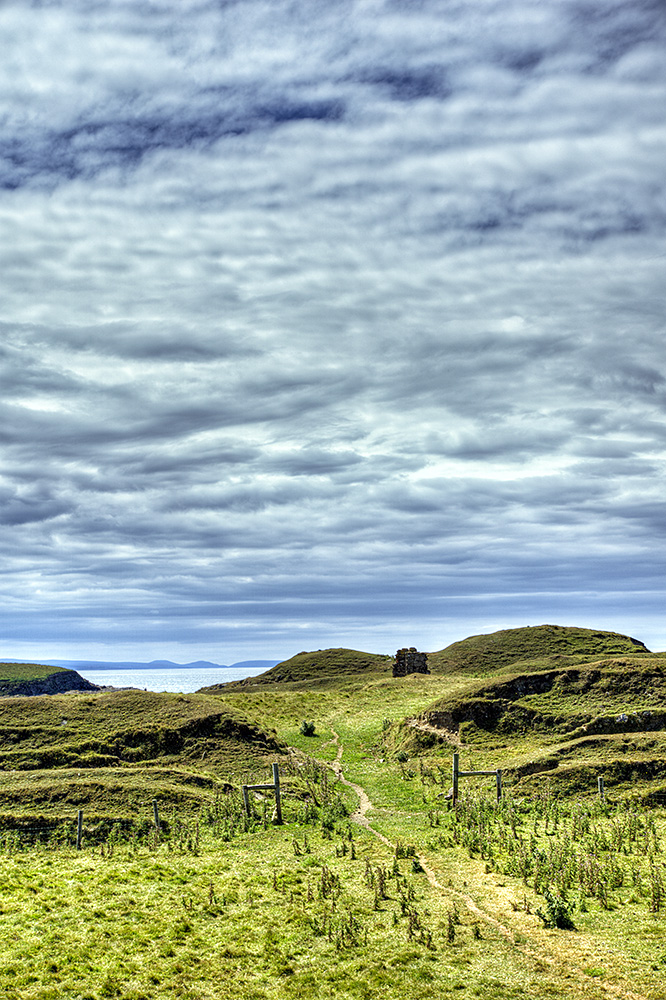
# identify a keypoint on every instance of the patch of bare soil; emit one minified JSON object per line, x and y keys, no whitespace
{"x":450,"y":734}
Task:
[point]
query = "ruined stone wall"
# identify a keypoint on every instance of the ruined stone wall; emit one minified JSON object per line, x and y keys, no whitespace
{"x":410,"y":661}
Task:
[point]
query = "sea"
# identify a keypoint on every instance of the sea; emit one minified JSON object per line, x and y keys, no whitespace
{"x":182,"y":679}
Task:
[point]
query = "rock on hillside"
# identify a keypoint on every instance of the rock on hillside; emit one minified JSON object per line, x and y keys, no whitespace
{"x":480,"y":653}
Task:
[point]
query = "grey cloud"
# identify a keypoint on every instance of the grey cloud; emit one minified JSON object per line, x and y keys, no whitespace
{"x":313,"y":462}
{"x":609,"y":467}
{"x":24,"y":374}
{"x":407,"y":83}
{"x":212,"y":95}
{"x":29,"y":505}
{"x":610,"y":30}
{"x":114,"y":415}
{"x":604,"y":448}
{"x":336,"y":320}
{"x":517,"y":443}
{"x":171,"y":461}
{"x":102,"y":145}
{"x":247,"y":497}
{"x":125,"y":340}
{"x":619,"y":375}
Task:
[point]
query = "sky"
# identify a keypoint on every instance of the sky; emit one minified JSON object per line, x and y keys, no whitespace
{"x":329,"y":323}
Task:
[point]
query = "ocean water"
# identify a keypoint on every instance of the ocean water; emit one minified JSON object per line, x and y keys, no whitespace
{"x":182,"y":679}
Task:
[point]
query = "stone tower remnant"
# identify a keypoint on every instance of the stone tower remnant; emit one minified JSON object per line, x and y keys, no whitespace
{"x":410,"y":661}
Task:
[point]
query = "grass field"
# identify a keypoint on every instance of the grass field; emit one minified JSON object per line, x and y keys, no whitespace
{"x":551,"y":893}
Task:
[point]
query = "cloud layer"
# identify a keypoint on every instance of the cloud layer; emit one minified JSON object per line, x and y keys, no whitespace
{"x":329,"y":323}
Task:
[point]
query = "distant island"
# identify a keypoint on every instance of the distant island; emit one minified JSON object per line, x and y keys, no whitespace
{"x":159,"y":665}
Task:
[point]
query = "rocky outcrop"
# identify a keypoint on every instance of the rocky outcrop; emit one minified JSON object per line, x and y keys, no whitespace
{"x":55,"y":683}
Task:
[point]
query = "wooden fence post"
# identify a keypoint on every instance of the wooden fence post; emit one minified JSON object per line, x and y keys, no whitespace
{"x":458,"y":774}
{"x":278,"y":803}
{"x":274,"y":787}
{"x":602,"y":790}
{"x":79,"y":830}
{"x":156,"y":816}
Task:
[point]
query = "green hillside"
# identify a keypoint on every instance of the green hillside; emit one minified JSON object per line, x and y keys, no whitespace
{"x":478,"y":654}
{"x":482,"y":653}
{"x":124,"y":726}
{"x":318,"y":665}
{"x":38,"y":678}
{"x":587,"y":698}
{"x":576,"y":722}
{"x":10,"y":672}
{"x":116,"y":750}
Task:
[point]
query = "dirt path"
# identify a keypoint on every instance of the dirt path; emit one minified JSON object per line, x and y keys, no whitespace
{"x":359,"y":816}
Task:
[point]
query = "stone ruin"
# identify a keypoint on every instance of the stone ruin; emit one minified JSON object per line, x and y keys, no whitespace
{"x":410,"y":661}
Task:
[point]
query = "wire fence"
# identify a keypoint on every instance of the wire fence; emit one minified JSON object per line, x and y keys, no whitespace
{"x":16,"y":834}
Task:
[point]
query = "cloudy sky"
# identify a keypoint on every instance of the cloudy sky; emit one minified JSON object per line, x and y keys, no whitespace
{"x":329,"y":323}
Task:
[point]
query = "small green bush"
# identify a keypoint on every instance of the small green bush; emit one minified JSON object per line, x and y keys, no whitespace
{"x":307,"y":728}
{"x":558,"y":911}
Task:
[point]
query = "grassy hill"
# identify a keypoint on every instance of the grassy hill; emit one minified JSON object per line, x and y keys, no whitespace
{"x":478,"y":654}
{"x":483,"y":653}
{"x":318,"y":665}
{"x":604,"y":717}
{"x":124,"y":726}
{"x":604,"y":696}
{"x":115,"y":751}
{"x":38,"y":678}
{"x":10,"y":672}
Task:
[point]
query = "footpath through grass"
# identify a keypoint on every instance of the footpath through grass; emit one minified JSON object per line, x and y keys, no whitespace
{"x":278,"y":912}
{"x":598,"y":870}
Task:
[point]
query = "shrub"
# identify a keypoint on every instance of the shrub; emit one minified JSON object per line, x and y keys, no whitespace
{"x":332,"y":812}
{"x":307,"y":728}
{"x":558,"y":912}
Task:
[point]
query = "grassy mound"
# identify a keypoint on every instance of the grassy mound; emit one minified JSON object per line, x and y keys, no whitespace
{"x":111,"y":793}
{"x":114,"y":727}
{"x":607,"y":696}
{"x":607,"y":717}
{"x":483,"y":653}
{"x":12,"y":672}
{"x":113,"y":749}
{"x":321,"y":664}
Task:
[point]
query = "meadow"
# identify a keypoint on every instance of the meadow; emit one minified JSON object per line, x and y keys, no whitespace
{"x":400,"y":893}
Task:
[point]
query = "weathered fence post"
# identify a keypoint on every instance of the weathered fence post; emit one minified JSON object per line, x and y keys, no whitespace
{"x":600,"y":786}
{"x":79,"y":830}
{"x":156,"y":817}
{"x":278,"y":803}
{"x":458,"y":774}
{"x":274,"y":787}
